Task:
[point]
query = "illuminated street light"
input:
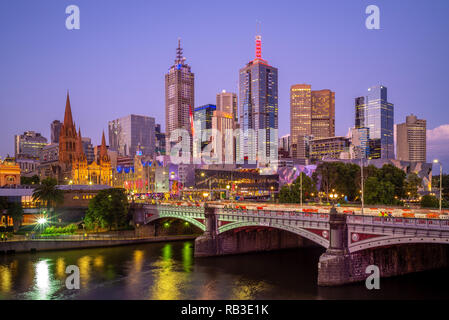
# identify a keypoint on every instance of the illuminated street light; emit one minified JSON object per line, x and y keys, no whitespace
{"x":42,"y":221}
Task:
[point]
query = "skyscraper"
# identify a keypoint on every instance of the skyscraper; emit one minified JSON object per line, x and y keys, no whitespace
{"x":258,"y":103}
{"x":179,"y":96}
{"x":55,"y":129}
{"x":312,"y":114}
{"x":227,"y":102}
{"x":203,"y":116}
{"x":374,"y":112}
{"x":132,"y":133}
{"x":411,"y":139}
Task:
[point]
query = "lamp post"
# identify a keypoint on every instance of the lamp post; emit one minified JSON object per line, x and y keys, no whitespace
{"x":361,"y":184}
{"x":441,"y":178}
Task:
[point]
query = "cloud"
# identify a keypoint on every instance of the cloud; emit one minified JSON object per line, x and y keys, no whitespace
{"x":439,"y":134}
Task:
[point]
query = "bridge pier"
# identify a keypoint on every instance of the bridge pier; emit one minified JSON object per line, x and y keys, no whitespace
{"x":333,"y":264}
{"x":207,"y":244}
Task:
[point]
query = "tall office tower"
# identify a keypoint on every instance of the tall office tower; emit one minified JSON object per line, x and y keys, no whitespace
{"x":203,"y":116}
{"x":323,"y":114}
{"x":258,"y":104}
{"x":179,"y":97}
{"x":132,"y":133}
{"x":223,"y":143}
{"x":300,"y":118}
{"x":374,"y":112}
{"x":55,"y":129}
{"x":160,"y":140}
{"x":29,"y":144}
{"x":411,"y":139}
{"x":227,"y":102}
{"x":312,"y":114}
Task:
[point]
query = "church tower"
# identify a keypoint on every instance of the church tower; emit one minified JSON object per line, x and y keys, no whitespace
{"x":79,"y":164}
{"x":68,"y":137}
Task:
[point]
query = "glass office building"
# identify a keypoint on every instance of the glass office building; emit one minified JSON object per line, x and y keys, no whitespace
{"x":374,"y":112}
{"x":258,"y":90}
{"x":132,"y":133}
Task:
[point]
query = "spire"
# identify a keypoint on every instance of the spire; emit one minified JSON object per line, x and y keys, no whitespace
{"x":68,"y":120}
{"x":179,"y":58}
{"x":79,"y":144}
{"x":103,"y":149}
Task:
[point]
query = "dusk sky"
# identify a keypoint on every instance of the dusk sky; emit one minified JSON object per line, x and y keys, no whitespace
{"x":115,"y":64}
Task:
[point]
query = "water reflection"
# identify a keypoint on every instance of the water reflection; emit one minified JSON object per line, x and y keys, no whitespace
{"x":168,"y":281}
{"x":169,"y":271}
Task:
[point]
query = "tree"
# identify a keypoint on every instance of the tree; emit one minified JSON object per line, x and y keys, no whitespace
{"x":429,"y":201}
{"x":378,"y":192}
{"x":436,"y":184}
{"x":108,"y":209}
{"x":15,"y":211}
{"x":412,"y":183}
{"x":29,"y":180}
{"x":49,"y":193}
{"x":291,"y":193}
{"x":395,"y":176}
{"x":326,"y":176}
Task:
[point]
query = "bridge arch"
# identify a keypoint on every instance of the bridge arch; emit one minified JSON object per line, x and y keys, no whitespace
{"x":180,"y":217}
{"x":394,"y":240}
{"x":298,"y":231}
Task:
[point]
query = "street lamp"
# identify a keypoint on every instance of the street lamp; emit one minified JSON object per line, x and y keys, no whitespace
{"x":361,"y":184}
{"x":441,"y":178}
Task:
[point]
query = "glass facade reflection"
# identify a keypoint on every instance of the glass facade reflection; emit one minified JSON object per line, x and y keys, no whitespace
{"x":374,"y":112}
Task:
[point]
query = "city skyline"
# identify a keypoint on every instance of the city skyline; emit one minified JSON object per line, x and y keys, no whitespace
{"x":94,"y":107}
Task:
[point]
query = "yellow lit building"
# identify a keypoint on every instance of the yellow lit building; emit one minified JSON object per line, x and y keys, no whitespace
{"x":9,"y":172}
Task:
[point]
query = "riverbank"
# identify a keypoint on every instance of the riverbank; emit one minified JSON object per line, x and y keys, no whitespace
{"x":29,"y":246}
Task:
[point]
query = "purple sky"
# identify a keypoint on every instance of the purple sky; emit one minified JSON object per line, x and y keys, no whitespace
{"x":115,"y":64}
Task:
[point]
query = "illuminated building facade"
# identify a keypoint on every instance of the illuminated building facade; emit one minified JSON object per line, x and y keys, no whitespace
{"x":258,"y":104}
{"x":328,"y":148}
{"x":179,"y":96}
{"x":72,"y":165}
{"x":374,"y":112}
{"x":9,"y":172}
{"x":312,"y":114}
{"x":227,"y":102}
{"x":29,"y":144}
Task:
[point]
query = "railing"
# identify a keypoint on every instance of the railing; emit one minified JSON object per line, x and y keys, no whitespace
{"x":414,"y":223}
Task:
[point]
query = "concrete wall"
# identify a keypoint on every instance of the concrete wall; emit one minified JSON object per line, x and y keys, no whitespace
{"x":247,"y":241}
{"x":338,"y":269}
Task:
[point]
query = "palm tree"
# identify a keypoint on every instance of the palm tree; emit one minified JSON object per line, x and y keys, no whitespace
{"x":49,"y":193}
{"x":15,"y":211}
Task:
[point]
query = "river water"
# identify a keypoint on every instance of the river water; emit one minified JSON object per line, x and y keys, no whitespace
{"x":169,"y":271}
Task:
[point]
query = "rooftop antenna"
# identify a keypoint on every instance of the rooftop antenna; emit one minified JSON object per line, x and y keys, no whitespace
{"x":179,"y":57}
{"x":258,"y":41}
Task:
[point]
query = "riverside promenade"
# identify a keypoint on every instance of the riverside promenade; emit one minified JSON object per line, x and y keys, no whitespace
{"x":81,"y":242}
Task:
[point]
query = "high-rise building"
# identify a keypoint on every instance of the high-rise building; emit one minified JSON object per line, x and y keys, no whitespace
{"x":179,"y":97}
{"x":203,"y":117}
{"x":227,"y":102}
{"x":258,"y":104}
{"x":160,"y":140}
{"x":411,"y":139}
{"x":323,"y":113}
{"x":55,"y":129}
{"x":223,"y":143}
{"x":374,"y":112}
{"x":29,"y":144}
{"x":328,"y":148}
{"x":132,"y":133}
{"x":312,"y":115}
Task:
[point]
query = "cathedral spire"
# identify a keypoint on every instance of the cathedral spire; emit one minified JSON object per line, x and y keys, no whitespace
{"x":68,"y":120}
{"x":79,"y":144}
{"x":103,"y":149}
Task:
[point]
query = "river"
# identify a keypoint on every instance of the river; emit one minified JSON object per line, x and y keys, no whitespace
{"x":169,"y":271}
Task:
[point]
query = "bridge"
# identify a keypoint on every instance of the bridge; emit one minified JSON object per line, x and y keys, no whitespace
{"x":397,"y":245}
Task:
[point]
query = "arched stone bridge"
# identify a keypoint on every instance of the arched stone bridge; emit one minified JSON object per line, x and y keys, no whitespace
{"x":352,"y":241}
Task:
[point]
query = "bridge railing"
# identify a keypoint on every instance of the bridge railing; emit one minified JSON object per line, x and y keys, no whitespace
{"x":415,"y":223}
{"x":275,"y":214}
